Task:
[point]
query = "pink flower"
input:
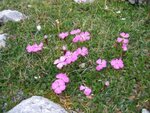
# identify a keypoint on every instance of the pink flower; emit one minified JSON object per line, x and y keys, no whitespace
{"x":86,"y":90}
{"x":124,"y":47}
{"x":76,"y":31}
{"x":76,"y":38}
{"x":119,"y":39}
{"x":82,"y":51}
{"x":34,"y":48}
{"x":60,"y":62}
{"x":82,"y":88}
{"x":107,"y":83}
{"x":101,"y":64}
{"x":70,"y":57}
{"x":124,"y":35}
{"x":117,"y":63}
{"x":63,"y":35}
{"x":78,"y":51}
{"x":83,"y":36}
{"x":74,"y":57}
{"x":63,"y":77}
{"x":58,"y":86}
{"x":125,"y":41}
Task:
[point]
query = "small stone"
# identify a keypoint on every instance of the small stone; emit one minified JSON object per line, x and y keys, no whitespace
{"x":82,"y":65}
{"x":29,"y":6}
{"x":118,"y":12}
{"x":2,"y":40}
{"x":138,"y":1}
{"x":37,"y":104}
{"x":123,"y":18}
{"x":84,"y":1}
{"x":11,"y":15}
{"x":145,"y":110}
{"x":38,"y":27}
{"x":106,"y":7}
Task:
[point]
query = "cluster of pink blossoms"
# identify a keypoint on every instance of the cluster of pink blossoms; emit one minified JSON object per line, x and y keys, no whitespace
{"x":123,"y":40}
{"x":70,"y":57}
{"x":59,"y":85}
{"x":117,"y":63}
{"x":82,"y":37}
{"x":63,"y":35}
{"x":79,"y":36}
{"x":34,"y":48}
{"x":101,"y":64}
{"x":86,"y":90}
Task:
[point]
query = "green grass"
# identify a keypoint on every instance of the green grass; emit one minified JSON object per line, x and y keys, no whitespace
{"x":129,"y":87}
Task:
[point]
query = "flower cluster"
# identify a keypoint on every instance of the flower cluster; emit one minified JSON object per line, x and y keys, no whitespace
{"x":75,"y":32}
{"x":86,"y":90}
{"x":82,"y":37}
{"x":63,"y":35}
{"x":79,"y":36}
{"x":59,"y":85}
{"x":70,"y":57}
{"x":101,"y":64}
{"x":117,"y":63}
{"x":123,"y":40}
{"x":34,"y":48}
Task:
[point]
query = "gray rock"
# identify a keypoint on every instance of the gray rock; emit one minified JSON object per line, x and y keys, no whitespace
{"x":3,"y":40}
{"x":37,"y":104}
{"x":11,"y":15}
{"x":145,"y":110}
{"x":134,"y":1}
{"x":84,"y":1}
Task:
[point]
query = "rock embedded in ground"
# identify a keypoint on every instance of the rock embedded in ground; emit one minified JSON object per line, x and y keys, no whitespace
{"x":145,"y":110}
{"x":37,"y":104}
{"x":84,"y":1}
{"x":136,"y":1}
{"x":11,"y":15}
{"x":3,"y":40}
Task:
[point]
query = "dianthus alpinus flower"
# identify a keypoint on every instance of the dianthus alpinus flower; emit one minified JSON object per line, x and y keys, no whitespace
{"x":124,"y":40}
{"x":107,"y":83}
{"x":63,"y":76}
{"x":63,"y":35}
{"x":82,"y":51}
{"x":60,"y":62}
{"x":58,"y":86}
{"x":34,"y":48}
{"x":101,"y":64}
{"x":117,"y":63}
{"x":83,"y":36}
{"x":124,"y":35}
{"x":70,"y":57}
{"x":76,"y":31}
{"x":86,"y":90}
